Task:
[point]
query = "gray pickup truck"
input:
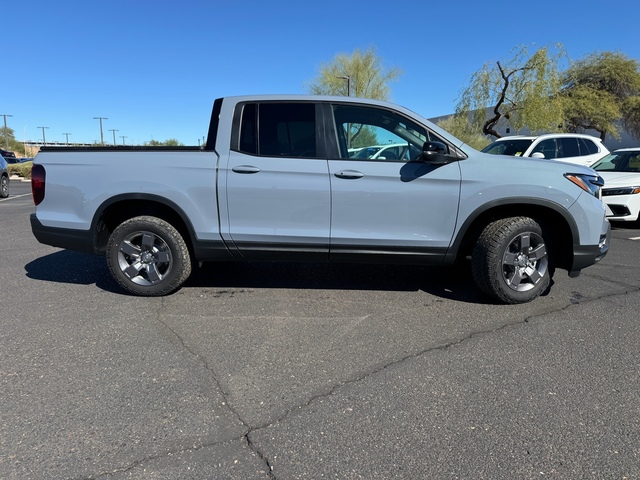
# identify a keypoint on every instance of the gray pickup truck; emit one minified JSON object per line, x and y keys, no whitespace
{"x":279,"y":179}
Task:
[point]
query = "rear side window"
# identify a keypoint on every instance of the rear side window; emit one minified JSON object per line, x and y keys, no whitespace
{"x":587,"y":147}
{"x":569,"y":147}
{"x":278,"y":129}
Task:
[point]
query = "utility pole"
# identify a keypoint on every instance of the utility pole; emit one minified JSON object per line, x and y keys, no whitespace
{"x":123,"y":137}
{"x":114,"y":135}
{"x":44,"y":139}
{"x":67,"y":134}
{"x":101,"y":136}
{"x":6,"y":133}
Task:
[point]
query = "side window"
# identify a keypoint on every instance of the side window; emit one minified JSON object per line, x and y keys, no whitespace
{"x":569,"y":147}
{"x":248,"y":137}
{"x":547,"y":148}
{"x":587,"y":147}
{"x":278,"y":129}
{"x":369,"y":133}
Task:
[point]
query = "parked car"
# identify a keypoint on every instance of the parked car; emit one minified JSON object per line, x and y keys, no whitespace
{"x":568,"y":147}
{"x":397,"y":151}
{"x":621,"y":192}
{"x":7,"y":154}
{"x":364,"y":152}
{"x":14,"y":160}
{"x":4,"y":179}
{"x":391,"y":151}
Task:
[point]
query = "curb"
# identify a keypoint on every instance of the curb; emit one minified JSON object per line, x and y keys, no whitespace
{"x":19,"y":178}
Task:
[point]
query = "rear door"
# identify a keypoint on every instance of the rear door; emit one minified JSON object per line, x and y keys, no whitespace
{"x":277,"y":189}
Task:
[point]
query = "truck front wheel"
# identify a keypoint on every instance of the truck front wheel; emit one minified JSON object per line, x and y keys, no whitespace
{"x":148,"y":257}
{"x":510,"y":260}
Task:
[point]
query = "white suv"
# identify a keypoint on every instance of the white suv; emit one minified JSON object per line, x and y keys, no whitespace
{"x":568,"y":147}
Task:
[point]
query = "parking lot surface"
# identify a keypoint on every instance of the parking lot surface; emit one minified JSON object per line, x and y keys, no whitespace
{"x":288,"y":371}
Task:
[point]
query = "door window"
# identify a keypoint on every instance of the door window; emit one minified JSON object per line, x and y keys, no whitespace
{"x":278,"y":130}
{"x":366,"y":133}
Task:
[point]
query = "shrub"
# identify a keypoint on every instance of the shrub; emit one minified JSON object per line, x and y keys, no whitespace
{"x":21,"y":169}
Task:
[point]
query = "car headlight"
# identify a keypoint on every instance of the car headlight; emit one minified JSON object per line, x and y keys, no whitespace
{"x":589,"y":183}
{"x":620,"y":191}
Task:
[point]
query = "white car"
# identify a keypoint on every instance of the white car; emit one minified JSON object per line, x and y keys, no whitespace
{"x":396,"y":151}
{"x":568,"y":147}
{"x":390,"y":151}
{"x":621,"y":191}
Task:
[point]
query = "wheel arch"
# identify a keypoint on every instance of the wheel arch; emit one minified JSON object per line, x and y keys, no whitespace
{"x":557,"y":224}
{"x":123,"y":207}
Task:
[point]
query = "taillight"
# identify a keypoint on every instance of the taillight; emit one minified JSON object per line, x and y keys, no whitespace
{"x":38,"y":176}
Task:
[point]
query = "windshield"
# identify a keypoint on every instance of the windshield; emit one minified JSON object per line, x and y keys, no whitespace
{"x":619,"y":162}
{"x":514,"y":147}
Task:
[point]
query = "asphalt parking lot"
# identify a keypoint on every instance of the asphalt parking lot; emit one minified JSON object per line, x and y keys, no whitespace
{"x":288,"y":371}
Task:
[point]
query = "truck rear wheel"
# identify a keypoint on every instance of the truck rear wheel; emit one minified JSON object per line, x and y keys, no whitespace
{"x":148,"y":257}
{"x":510,"y":260}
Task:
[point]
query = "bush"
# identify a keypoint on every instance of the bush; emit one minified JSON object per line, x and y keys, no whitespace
{"x":21,"y":169}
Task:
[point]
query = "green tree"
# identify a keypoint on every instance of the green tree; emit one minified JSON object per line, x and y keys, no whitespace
{"x":523,"y":90}
{"x":600,"y":91}
{"x":9,"y":142}
{"x":361,"y":74}
{"x":461,"y":128}
{"x":171,"y":142}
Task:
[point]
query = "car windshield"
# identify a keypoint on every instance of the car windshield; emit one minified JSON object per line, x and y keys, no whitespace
{"x":619,"y":162}
{"x":514,"y":147}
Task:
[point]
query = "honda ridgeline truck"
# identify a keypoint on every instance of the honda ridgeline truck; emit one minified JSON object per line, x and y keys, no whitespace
{"x":275,"y":181}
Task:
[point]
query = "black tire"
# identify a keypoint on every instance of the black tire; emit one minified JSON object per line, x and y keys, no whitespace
{"x":510,"y":260}
{"x":4,"y":186}
{"x":148,"y":257}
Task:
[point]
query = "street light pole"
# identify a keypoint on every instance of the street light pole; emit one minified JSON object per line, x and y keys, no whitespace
{"x":67,"y":134}
{"x":114,"y":135}
{"x":6,"y":135}
{"x":44,"y":139}
{"x":123,"y":137}
{"x":101,"y":137}
{"x":348,"y":79}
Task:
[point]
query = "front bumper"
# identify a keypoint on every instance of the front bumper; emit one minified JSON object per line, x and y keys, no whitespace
{"x":587,"y":255}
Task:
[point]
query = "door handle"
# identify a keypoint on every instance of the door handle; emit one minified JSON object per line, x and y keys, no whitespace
{"x":349,"y":174}
{"x":245,"y":169}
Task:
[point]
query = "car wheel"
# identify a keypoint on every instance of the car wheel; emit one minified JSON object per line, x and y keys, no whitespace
{"x":510,"y":261}
{"x":4,"y":186}
{"x":147,"y":256}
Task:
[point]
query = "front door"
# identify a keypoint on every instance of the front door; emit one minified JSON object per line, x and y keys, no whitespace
{"x":390,"y":203}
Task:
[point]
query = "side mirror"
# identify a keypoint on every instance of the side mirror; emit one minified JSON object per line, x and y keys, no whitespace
{"x":436,"y":153}
{"x":537,"y":155}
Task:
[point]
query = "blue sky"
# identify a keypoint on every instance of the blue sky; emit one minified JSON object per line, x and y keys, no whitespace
{"x":153,"y":69}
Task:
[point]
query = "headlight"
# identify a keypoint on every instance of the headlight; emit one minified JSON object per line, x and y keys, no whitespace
{"x":620,"y":191}
{"x":589,"y":183}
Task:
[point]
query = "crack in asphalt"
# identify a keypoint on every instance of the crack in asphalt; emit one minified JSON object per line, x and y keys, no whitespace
{"x":246,"y":437}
